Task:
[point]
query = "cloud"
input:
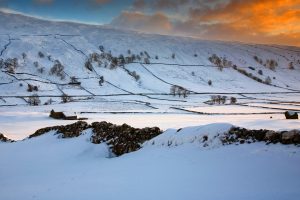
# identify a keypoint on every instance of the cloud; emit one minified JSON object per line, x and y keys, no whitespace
{"x":156,"y":23}
{"x":259,"y":21}
{"x":159,"y":5}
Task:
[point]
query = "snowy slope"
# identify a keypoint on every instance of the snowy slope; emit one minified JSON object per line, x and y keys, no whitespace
{"x":72,"y":43}
{"x":50,"y":168}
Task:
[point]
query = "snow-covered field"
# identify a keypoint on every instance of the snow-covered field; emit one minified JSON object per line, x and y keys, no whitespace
{"x":49,"y":168}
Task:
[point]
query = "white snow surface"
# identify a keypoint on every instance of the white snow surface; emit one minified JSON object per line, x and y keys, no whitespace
{"x":46,"y":167}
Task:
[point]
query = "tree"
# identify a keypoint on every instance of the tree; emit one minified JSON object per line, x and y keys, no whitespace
{"x":65,"y":98}
{"x":41,"y":55}
{"x":173,"y":55}
{"x":41,"y":70}
{"x":135,"y":75}
{"x":31,"y":88}
{"x":173,"y":90}
{"x":24,"y":56}
{"x":268,"y":80}
{"x":101,"y":81}
{"x":88,"y":65}
{"x":233,"y":100}
{"x":101,"y":48}
{"x":146,"y":61}
{"x":73,"y":79}
{"x":209,"y":82}
{"x":291,"y":66}
{"x":48,"y":102}
{"x":36,"y":64}
{"x":34,"y":100}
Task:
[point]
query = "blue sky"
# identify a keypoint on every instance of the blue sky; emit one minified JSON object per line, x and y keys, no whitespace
{"x":88,"y":11}
{"x":252,"y":21}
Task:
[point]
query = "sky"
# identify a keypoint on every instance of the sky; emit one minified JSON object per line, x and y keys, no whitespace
{"x":253,"y":21}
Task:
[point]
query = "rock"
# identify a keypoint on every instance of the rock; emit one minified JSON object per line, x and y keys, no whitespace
{"x":43,"y":131}
{"x":68,"y":131}
{"x":73,"y":130}
{"x":3,"y":138}
{"x":122,"y":139}
{"x":291,"y":115}
{"x":291,"y":137}
{"x":259,"y":135}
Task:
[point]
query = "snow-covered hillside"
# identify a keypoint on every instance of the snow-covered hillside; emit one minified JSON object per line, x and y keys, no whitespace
{"x":49,"y":63}
{"x":172,"y":61}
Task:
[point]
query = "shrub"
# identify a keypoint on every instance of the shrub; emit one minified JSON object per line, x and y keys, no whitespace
{"x":268,"y":80}
{"x":193,"y":73}
{"x":48,"y":102}
{"x":10,"y":64}
{"x":209,"y":82}
{"x":156,"y":57}
{"x":135,"y":75}
{"x":291,"y":66}
{"x":233,"y":100}
{"x":101,"y":81}
{"x":195,"y":55}
{"x":57,"y":70}
{"x":173,"y":55}
{"x":146,"y":61}
{"x":260,"y":72}
{"x":41,"y":55}
{"x":146,"y":53}
{"x":24,"y":56}
{"x":121,"y":60}
{"x":31,"y":88}
{"x":34,"y":100}
{"x":73,"y":79}
{"x":36,"y":64}
{"x":178,"y":90}
{"x":65,"y":98}
{"x":41,"y":70}
{"x":88,"y":65}
{"x":218,"y":99}
{"x":101,"y":48}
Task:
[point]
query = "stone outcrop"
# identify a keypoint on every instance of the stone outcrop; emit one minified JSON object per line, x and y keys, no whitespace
{"x":242,"y":135}
{"x":67,"y":131}
{"x":3,"y":138}
{"x":121,"y":139}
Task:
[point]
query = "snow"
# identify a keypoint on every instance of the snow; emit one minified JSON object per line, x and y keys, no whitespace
{"x":50,"y":168}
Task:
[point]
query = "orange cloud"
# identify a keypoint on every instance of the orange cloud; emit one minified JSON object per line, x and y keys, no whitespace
{"x":271,"y":17}
{"x":252,"y":21}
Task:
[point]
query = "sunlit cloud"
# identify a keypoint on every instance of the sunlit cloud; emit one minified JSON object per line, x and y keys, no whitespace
{"x":261,"y":21}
